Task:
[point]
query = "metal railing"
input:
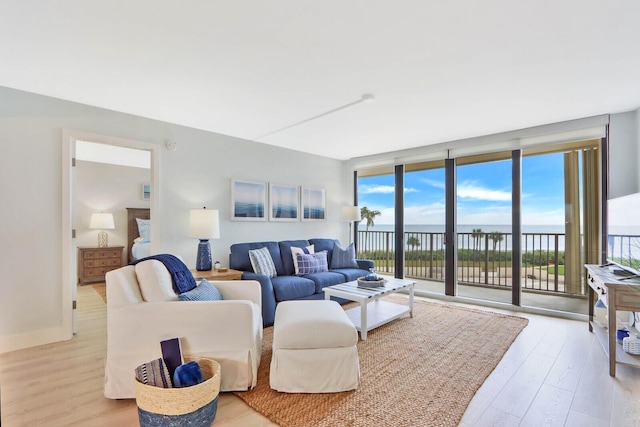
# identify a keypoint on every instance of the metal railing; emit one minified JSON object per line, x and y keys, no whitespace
{"x":484,"y":259}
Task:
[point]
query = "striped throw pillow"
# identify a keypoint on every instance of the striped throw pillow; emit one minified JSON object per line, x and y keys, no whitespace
{"x":262,"y":262}
{"x":343,"y":258}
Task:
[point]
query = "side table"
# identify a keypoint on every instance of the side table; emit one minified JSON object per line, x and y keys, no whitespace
{"x":228,"y":274}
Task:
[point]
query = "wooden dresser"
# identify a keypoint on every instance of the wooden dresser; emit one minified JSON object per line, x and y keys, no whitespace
{"x":94,"y":262}
{"x":617,"y":294}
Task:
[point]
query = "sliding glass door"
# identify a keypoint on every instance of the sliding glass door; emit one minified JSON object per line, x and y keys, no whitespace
{"x":484,"y":238}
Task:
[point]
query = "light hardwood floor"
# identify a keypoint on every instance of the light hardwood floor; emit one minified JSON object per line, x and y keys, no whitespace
{"x":555,"y":373}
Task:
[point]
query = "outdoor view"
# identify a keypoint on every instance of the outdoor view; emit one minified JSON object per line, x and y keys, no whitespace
{"x":484,"y":219}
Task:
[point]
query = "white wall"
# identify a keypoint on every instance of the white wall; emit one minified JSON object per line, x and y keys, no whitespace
{"x":197,"y":174}
{"x":102,"y":187}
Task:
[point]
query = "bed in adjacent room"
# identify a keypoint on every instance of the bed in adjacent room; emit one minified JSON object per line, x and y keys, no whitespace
{"x":138,"y":233}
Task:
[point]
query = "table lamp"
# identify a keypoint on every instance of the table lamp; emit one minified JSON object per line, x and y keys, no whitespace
{"x":204,"y":224}
{"x":102,"y":221}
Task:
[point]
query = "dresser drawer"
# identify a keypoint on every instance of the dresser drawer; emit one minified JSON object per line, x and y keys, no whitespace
{"x":94,"y":263}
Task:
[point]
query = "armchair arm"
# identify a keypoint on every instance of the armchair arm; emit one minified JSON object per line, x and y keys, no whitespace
{"x":240,"y":290}
{"x":365,"y":264}
{"x":203,"y":326}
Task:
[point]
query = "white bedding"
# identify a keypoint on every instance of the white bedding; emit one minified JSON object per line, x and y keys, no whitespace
{"x":140,"y":249}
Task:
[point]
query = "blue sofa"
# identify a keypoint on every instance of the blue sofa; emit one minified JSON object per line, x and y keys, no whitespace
{"x":286,"y":285}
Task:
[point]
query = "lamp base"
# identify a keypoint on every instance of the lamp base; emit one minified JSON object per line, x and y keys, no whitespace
{"x":103,"y":239}
{"x":203,"y":259}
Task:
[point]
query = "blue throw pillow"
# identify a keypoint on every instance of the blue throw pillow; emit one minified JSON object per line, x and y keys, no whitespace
{"x":312,"y":263}
{"x":343,"y":258}
{"x":262,"y":262}
{"x":205,"y":291}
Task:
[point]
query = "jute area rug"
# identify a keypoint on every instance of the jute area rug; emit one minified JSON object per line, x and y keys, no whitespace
{"x":420,"y":371}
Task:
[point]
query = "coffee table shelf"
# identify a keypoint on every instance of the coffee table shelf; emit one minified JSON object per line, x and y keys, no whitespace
{"x":373,"y":313}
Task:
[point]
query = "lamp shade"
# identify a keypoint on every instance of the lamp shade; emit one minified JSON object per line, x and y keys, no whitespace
{"x":204,"y":224}
{"x":351,"y":213}
{"x":101,"y":221}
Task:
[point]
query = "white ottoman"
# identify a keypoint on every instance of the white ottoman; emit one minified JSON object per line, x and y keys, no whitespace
{"x":314,"y":348}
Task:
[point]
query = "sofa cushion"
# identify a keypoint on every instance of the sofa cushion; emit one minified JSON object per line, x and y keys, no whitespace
{"x":294,"y":255}
{"x":324,"y":245}
{"x":350,"y":273}
{"x":287,"y":258}
{"x":312,"y":263}
{"x":262,"y":262}
{"x":324,"y":279}
{"x":343,"y":258}
{"x":292,"y":287}
{"x":239,"y":257}
{"x":205,"y":291}
{"x":155,"y":281}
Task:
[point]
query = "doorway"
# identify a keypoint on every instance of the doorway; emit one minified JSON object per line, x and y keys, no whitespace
{"x":69,"y":214}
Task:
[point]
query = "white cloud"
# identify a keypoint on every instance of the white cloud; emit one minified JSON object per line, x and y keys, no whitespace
{"x":382,"y":189}
{"x":470,"y":190}
{"x":376,"y":189}
{"x":433,"y":183}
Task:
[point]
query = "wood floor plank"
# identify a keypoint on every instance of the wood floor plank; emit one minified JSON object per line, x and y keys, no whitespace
{"x":550,"y":408}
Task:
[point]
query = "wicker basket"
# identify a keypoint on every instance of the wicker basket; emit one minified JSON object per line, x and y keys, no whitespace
{"x":176,"y":407}
{"x":631,"y":344}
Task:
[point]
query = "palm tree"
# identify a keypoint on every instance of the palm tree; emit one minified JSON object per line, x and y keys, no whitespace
{"x":496,"y":237}
{"x":369,"y":215}
{"x":476,"y":234}
{"x":413,"y":242}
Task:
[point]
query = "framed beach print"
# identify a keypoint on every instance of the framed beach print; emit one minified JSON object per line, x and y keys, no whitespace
{"x":248,"y":200}
{"x":146,"y":191}
{"x":313,"y":204}
{"x":284,"y":203}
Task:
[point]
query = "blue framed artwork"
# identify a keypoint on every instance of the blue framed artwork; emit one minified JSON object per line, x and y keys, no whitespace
{"x":313,"y":202}
{"x":146,"y":191}
{"x":248,"y":200}
{"x":284,"y":203}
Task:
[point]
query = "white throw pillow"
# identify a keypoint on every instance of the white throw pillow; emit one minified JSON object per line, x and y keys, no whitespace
{"x":294,"y":254}
{"x":155,"y":281}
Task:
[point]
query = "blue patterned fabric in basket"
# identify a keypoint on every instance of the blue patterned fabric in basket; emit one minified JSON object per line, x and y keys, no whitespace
{"x":198,"y":418}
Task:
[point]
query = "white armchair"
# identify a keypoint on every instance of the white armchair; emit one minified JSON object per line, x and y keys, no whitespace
{"x":229,"y":331}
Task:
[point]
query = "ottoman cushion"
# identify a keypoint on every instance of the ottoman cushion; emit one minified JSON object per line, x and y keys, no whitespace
{"x":312,"y":324}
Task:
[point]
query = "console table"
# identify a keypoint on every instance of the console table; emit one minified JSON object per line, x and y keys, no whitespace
{"x":617,"y":294}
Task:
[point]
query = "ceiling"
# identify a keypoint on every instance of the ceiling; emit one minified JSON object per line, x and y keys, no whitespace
{"x":439,"y":71}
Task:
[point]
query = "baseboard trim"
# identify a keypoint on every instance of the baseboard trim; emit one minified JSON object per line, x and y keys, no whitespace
{"x":33,"y":339}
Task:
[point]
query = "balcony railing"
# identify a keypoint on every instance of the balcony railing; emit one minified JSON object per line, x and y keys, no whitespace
{"x":484,"y":259}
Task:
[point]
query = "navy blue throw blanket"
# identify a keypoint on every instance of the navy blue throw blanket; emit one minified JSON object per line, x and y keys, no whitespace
{"x":183,"y":280}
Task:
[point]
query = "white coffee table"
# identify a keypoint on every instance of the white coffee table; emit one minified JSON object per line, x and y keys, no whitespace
{"x":372,"y":312}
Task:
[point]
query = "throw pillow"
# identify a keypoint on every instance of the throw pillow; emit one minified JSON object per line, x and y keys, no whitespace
{"x":312,"y":263}
{"x":262,"y":262}
{"x":343,"y":258}
{"x":294,"y":254}
{"x":205,"y":291}
{"x":144,"y":229}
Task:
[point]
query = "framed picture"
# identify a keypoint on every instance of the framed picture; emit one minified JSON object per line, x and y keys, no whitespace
{"x":248,"y":200}
{"x":284,"y":203}
{"x":313,"y":204}
{"x":146,"y":191}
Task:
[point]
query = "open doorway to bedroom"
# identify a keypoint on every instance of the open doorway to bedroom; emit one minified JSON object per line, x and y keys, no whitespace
{"x":103,"y":178}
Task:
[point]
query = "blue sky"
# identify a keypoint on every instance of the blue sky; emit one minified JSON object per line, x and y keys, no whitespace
{"x":484,"y":193}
